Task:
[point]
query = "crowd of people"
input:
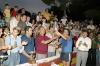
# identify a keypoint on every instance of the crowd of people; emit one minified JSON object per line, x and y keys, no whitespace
{"x":24,"y":38}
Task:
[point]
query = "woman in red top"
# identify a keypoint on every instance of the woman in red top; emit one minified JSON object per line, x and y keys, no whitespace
{"x":42,"y":42}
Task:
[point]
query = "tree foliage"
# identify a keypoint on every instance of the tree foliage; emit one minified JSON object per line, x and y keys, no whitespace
{"x":49,"y":2}
{"x":80,"y":8}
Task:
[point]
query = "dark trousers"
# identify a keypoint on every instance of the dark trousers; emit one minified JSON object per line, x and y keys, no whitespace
{"x":91,"y":61}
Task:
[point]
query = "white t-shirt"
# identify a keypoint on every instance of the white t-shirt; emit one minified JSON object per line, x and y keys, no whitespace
{"x":80,"y":44}
{"x":13,"y":23}
{"x":38,"y":18}
{"x":28,"y":24}
{"x":64,"y":21}
{"x":92,"y":27}
{"x":51,"y":46}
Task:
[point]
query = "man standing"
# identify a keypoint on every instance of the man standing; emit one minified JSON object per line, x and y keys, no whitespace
{"x":83,"y":45}
{"x":29,"y":48}
{"x":66,"y":46}
{"x":13,"y":42}
{"x":14,"y":21}
{"x":42,"y":42}
{"x":22,"y":24}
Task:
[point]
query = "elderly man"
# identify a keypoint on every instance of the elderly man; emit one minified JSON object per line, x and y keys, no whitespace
{"x":83,"y":45}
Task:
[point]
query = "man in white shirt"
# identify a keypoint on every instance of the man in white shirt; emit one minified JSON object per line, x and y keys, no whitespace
{"x":14,"y":21}
{"x":39,"y":17}
{"x":91,"y":26}
{"x":64,"y":20}
{"x":83,"y":45}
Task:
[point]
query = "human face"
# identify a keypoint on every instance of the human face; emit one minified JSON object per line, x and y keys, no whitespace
{"x":28,"y":19}
{"x":66,"y":34}
{"x":99,"y":37}
{"x":42,"y":31}
{"x":51,"y":29}
{"x":29,"y":31}
{"x":44,"y":20}
{"x":33,"y":21}
{"x":84,"y":34}
{"x":7,"y":7}
{"x":0,"y":30}
{"x":23,"y":18}
{"x":23,"y":10}
{"x":15,"y":32}
{"x":16,"y":9}
{"x":18,"y":17}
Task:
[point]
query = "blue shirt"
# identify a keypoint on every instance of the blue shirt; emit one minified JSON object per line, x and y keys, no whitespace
{"x":28,"y":48}
{"x":9,"y":40}
{"x":66,"y":45}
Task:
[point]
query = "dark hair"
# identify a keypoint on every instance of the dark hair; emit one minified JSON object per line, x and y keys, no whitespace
{"x":69,"y":33}
{"x":15,"y":28}
{"x":16,"y":6}
{"x":23,"y":15}
{"x":27,"y":28}
{"x":18,"y":14}
{"x":6,"y":4}
{"x":84,"y":31}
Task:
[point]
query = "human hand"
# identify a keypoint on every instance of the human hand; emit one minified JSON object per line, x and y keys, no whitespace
{"x":56,"y":46}
{"x":4,"y":47}
{"x":30,"y":57}
{"x":57,"y":33}
{"x":14,"y":46}
{"x":9,"y":46}
{"x":24,"y":42}
{"x":54,"y":38}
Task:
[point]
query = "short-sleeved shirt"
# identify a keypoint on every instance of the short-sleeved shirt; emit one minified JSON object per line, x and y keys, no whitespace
{"x":28,"y":48}
{"x":7,"y":12}
{"x":40,"y":47}
{"x":66,"y":45}
{"x":22,"y":25}
{"x":9,"y":40}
